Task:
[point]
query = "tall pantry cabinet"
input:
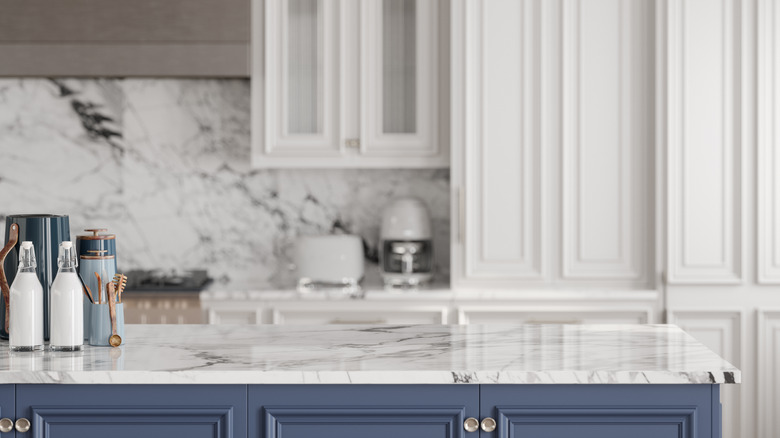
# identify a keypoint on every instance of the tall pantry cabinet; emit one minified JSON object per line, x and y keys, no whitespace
{"x":631,"y":147}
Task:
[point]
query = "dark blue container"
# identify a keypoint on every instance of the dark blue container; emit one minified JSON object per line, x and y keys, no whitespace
{"x":46,"y":232}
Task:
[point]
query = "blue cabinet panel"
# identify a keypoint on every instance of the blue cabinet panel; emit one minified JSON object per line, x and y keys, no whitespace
{"x":360,"y":411}
{"x":132,"y":411}
{"x":601,"y":411}
{"x":7,"y":406}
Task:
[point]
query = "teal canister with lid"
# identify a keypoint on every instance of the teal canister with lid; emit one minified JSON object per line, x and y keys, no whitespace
{"x":97,"y":255}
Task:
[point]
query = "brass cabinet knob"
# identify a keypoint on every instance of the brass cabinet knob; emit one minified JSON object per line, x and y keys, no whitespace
{"x":488,"y":424}
{"x":23,"y":425}
{"x":6,"y":425}
{"x":471,"y":424}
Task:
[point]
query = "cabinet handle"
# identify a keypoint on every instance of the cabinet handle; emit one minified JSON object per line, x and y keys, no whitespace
{"x":488,"y":424}
{"x":6,"y":425}
{"x":352,"y":143}
{"x":22,"y":425}
{"x":471,"y":424}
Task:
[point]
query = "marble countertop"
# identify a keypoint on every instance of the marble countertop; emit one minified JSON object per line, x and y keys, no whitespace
{"x":381,"y":354}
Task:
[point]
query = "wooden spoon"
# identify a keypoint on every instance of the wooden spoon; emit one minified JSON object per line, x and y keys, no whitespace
{"x":13,"y":237}
{"x":115,"y":340}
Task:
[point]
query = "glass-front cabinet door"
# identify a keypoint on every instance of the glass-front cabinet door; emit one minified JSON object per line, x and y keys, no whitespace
{"x":348,"y":83}
{"x":302,"y":77}
{"x":399,"y":72}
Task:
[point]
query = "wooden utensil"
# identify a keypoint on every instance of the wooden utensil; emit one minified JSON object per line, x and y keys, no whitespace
{"x":115,"y":340}
{"x":120,"y":281}
{"x":87,"y":292}
{"x":13,"y":238}
{"x":100,"y":288}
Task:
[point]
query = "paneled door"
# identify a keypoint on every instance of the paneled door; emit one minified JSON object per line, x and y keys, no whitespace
{"x":601,"y":411}
{"x":552,"y":124}
{"x":399,"y":66}
{"x":8,"y":399}
{"x":132,"y":411}
{"x":360,"y":411}
{"x":302,"y":97}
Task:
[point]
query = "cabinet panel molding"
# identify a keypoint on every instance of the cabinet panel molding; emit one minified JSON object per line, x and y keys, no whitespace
{"x":767,"y":378}
{"x":503,"y":147}
{"x":722,"y":332}
{"x":287,"y":123}
{"x":351,"y":421}
{"x":529,"y":314}
{"x":768,"y":184}
{"x":605,"y":189}
{"x":420,"y":87}
{"x":704,"y":147}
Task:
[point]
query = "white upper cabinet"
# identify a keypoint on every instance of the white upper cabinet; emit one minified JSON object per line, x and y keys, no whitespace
{"x":553,"y":140}
{"x":347,"y":83}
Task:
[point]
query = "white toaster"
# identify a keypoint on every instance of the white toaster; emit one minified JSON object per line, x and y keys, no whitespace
{"x":329,"y":261}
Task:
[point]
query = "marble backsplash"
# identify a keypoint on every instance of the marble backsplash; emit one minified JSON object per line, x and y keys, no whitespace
{"x":164,"y":164}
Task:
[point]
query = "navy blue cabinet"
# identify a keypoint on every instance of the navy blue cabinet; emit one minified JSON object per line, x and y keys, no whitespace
{"x":7,"y":407}
{"x":132,"y":411}
{"x":602,"y":411}
{"x":361,"y":411}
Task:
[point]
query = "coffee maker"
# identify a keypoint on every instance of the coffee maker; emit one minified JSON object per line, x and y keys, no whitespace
{"x":406,"y":244}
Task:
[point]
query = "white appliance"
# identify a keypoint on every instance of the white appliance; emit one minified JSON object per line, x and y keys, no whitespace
{"x":330,"y":264}
{"x":406,"y":244}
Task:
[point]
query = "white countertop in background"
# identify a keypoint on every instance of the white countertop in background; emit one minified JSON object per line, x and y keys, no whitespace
{"x":381,"y":354}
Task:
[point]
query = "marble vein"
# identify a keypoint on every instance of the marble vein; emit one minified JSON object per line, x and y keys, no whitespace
{"x":414,"y":354}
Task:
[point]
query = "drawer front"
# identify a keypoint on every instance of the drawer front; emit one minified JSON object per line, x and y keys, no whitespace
{"x":358,"y":411}
{"x":131,"y":411}
{"x":602,"y":411}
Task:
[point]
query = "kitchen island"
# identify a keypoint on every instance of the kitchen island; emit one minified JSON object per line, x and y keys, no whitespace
{"x":373,"y":381}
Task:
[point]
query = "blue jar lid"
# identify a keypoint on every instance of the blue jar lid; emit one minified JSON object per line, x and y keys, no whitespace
{"x":96,"y":246}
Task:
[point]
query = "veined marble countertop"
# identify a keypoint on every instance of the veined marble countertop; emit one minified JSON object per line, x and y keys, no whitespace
{"x":411,"y":354}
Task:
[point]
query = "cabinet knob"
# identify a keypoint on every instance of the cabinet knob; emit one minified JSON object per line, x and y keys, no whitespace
{"x":6,"y":425}
{"x":353,"y":143}
{"x":471,"y":424}
{"x":23,"y":425}
{"x":488,"y":424}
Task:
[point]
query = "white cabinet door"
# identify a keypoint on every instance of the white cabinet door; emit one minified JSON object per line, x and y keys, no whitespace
{"x":399,"y":65}
{"x":347,"y":83}
{"x":553,"y":122}
{"x":356,"y":312}
{"x":768,"y":365}
{"x":527,"y":314}
{"x":302,"y":99}
{"x":704,"y":142}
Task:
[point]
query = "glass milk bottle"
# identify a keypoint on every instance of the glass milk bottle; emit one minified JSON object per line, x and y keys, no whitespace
{"x":26,"y":304}
{"x":67,"y":311}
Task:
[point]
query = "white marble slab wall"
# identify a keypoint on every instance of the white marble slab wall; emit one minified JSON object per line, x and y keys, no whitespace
{"x":164,"y":164}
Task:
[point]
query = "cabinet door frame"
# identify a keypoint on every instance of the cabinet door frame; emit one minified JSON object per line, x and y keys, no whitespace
{"x":695,"y":408}
{"x":277,"y":140}
{"x":424,"y":142}
{"x":270,"y":406}
{"x":221,"y":406}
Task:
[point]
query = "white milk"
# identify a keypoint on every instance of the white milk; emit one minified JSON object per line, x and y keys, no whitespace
{"x":26,"y":305}
{"x":67,"y":309}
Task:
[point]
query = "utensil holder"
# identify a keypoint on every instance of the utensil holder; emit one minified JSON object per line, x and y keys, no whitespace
{"x":100,"y":323}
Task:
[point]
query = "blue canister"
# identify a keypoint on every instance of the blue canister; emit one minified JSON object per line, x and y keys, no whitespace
{"x":46,"y":232}
{"x":97,"y":255}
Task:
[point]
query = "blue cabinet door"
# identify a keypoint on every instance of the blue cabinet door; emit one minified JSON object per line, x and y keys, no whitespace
{"x":7,"y":406}
{"x":132,"y":411}
{"x":361,"y":411}
{"x":602,"y":411}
